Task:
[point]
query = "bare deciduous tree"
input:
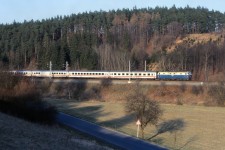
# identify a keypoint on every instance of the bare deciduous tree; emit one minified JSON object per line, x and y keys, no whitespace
{"x":145,"y":109}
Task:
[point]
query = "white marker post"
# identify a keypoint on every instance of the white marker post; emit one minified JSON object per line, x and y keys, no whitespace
{"x":138,"y":123}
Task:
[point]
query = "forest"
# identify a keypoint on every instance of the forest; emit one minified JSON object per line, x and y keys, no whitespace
{"x":103,"y":40}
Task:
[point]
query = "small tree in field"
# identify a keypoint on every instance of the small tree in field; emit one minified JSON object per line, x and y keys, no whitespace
{"x":145,"y":109}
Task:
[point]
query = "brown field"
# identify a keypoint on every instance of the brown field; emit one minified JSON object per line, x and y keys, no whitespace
{"x":203,"y":126}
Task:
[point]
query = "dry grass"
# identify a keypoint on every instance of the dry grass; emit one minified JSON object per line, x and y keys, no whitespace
{"x":204,"y":126}
{"x":19,"y":134}
{"x":194,"y":39}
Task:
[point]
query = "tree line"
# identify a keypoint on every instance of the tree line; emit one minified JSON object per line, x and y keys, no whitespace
{"x":103,"y":40}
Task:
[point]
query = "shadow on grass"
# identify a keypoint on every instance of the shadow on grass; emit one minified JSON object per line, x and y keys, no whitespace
{"x":171,"y":126}
{"x":92,"y":113}
{"x":119,"y":122}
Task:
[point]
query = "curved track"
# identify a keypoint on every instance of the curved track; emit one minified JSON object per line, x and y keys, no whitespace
{"x":143,"y":82}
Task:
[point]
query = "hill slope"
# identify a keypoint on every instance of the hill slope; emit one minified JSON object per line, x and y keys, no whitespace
{"x":19,"y":134}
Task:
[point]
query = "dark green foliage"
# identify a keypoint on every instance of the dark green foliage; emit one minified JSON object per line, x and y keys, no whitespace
{"x":77,"y":38}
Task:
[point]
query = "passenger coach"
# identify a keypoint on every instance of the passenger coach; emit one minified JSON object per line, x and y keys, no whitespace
{"x":151,"y":75}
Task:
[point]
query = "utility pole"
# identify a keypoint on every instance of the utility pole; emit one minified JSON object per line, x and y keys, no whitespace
{"x":129,"y":73}
{"x":50,"y":68}
{"x":145,"y":65}
{"x":67,"y":66}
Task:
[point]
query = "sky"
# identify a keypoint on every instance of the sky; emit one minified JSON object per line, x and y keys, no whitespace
{"x":20,"y":10}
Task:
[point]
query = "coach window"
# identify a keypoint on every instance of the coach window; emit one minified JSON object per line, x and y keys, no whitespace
{"x":123,"y":74}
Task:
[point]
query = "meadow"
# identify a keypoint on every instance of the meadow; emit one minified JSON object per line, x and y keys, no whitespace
{"x":202,"y":129}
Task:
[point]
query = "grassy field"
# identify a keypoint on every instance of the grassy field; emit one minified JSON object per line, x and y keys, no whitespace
{"x":16,"y":133}
{"x":203,"y":129}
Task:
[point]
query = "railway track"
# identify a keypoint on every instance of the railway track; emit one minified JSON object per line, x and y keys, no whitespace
{"x":142,"y":82}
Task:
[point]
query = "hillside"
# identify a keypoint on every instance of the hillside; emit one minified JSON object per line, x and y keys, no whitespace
{"x":173,"y":39}
{"x":195,"y":39}
{"x":200,"y":51}
{"x":19,"y":134}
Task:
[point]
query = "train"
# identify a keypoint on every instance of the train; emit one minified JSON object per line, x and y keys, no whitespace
{"x":151,"y":75}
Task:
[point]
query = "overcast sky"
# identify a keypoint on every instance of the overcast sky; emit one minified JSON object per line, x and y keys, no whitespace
{"x":20,"y":10}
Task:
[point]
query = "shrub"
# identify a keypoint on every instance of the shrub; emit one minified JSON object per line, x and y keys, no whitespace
{"x":183,"y":88}
{"x":78,"y":89}
{"x":94,"y":93}
{"x":106,"y":82}
{"x":179,"y":101}
{"x":197,"y":90}
{"x":217,"y":92}
{"x":21,"y":99}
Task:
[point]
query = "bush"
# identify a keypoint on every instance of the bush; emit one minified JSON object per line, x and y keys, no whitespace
{"x":21,"y":99}
{"x":78,"y":89}
{"x":197,"y":90}
{"x":93,"y":93}
{"x":183,"y":88}
{"x":217,"y":92}
{"x":106,"y":82}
